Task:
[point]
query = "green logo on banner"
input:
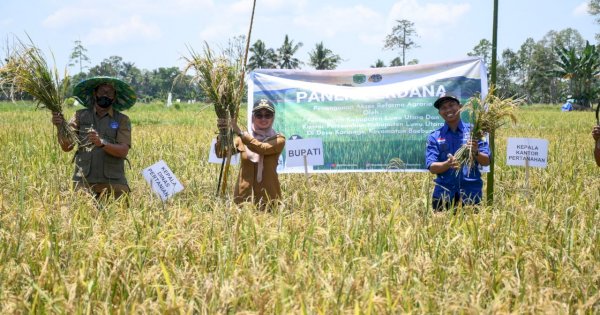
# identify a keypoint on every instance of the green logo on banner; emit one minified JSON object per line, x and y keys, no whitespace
{"x":359,"y":78}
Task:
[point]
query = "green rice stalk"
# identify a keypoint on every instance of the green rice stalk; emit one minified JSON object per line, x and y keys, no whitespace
{"x":486,"y":115}
{"x":26,"y":70}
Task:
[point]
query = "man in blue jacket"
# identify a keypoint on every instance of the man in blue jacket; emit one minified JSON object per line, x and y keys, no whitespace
{"x":453,"y":185}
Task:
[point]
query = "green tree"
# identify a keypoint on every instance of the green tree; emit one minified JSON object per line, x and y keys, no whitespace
{"x":235,"y":49}
{"x":594,"y":9}
{"x":542,"y":83}
{"x":581,"y":70}
{"x":112,"y":66}
{"x":568,"y":37}
{"x":402,"y":38}
{"x":378,"y":64}
{"x":322,"y":58}
{"x":507,"y":74}
{"x":261,"y":57}
{"x":482,"y":50}
{"x":131,"y":74}
{"x":285,"y":54}
{"x":396,"y":62}
{"x":162,"y":81}
{"x":78,"y":56}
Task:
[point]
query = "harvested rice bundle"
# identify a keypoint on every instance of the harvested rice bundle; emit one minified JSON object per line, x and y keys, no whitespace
{"x":486,"y":116}
{"x":219,"y":78}
{"x":26,"y":70}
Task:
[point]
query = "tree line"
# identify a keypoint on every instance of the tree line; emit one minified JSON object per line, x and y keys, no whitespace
{"x":561,"y":65}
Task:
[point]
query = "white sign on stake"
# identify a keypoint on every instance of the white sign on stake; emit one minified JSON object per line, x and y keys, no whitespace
{"x":212,"y":156}
{"x":296,"y":150}
{"x":162,"y":180}
{"x":527,"y":152}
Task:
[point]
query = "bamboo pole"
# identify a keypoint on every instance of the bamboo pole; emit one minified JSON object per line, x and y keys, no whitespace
{"x":490,"y":176}
{"x":225,"y":172}
{"x":598,"y":123}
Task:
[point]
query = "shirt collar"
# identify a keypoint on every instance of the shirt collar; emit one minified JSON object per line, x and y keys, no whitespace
{"x":459,"y":128}
{"x":110,"y":111}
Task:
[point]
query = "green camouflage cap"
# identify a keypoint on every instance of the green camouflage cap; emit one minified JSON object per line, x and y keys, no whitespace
{"x":263,"y":103}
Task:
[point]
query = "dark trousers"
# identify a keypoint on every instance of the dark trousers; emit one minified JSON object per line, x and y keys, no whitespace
{"x":441,"y":204}
{"x":453,"y":202}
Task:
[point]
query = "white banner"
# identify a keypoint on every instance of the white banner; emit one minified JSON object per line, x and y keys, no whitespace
{"x":366,"y":118}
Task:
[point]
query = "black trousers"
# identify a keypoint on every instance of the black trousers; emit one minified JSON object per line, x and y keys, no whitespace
{"x":442,"y":204}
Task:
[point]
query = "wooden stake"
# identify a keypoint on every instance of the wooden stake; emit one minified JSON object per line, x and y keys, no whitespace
{"x":235,"y":116}
{"x":527,"y":177}
{"x":305,"y":167}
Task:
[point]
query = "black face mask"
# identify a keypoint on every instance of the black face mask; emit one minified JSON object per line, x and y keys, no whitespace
{"x":104,"y":101}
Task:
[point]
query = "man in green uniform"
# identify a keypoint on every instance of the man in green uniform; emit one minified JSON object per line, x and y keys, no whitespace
{"x":104,"y":134}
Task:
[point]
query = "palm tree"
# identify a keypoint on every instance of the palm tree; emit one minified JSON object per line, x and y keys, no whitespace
{"x":285,"y":54}
{"x":581,"y":70}
{"x":323,"y":58}
{"x":130,"y":73}
{"x":378,"y":64}
{"x":262,"y":58}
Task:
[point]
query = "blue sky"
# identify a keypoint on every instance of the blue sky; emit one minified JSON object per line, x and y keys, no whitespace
{"x":155,"y":33}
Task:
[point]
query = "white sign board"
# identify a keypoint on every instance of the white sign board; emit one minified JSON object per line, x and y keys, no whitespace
{"x":212,"y":156}
{"x":296,"y":150}
{"x":162,"y":180}
{"x":520,"y":150}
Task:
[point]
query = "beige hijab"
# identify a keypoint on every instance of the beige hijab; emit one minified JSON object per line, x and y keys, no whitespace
{"x":260,"y":135}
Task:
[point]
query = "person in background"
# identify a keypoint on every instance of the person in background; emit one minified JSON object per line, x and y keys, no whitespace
{"x":260,"y":149}
{"x":104,"y":134}
{"x":454,"y":186}
{"x":567,"y":106}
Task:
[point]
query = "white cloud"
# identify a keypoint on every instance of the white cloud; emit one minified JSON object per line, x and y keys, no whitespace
{"x":581,"y":9}
{"x":87,"y":10}
{"x":216,"y":31}
{"x":188,"y":4}
{"x":69,"y":15}
{"x":172,"y":7}
{"x":6,"y":22}
{"x":227,"y":20}
{"x":133,"y":28}
{"x":330,"y":21}
{"x":274,"y":5}
{"x":431,"y":19}
{"x":241,"y":6}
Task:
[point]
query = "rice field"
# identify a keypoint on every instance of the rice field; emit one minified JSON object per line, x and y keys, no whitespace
{"x":342,"y":243}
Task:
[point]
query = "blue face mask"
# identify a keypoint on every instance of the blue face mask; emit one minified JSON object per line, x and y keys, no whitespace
{"x":104,"y":101}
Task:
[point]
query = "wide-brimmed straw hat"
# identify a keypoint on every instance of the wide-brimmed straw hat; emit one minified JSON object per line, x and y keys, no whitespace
{"x":125,"y":96}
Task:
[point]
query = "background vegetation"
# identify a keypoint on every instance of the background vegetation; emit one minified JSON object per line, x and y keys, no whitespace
{"x":549,"y":70}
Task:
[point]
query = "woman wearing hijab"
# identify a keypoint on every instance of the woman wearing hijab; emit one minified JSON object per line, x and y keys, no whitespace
{"x":259,"y":151}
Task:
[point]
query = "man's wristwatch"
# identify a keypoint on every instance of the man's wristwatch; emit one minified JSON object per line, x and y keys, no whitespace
{"x":102,"y":143}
